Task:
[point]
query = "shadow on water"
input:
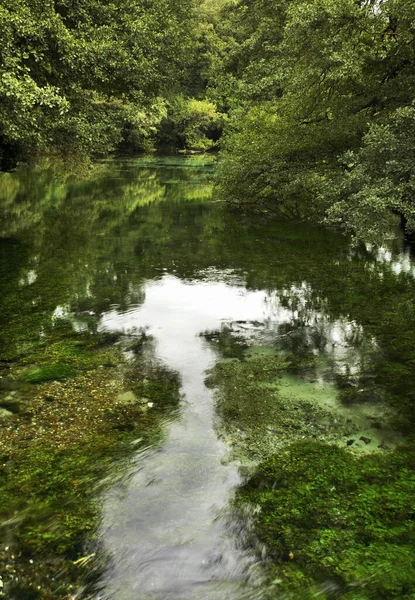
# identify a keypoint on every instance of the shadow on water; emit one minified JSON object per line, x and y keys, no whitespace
{"x":140,"y":247}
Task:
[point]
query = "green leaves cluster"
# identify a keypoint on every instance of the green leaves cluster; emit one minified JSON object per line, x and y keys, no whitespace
{"x":379,"y":176}
{"x":321,"y":98}
{"x":74,"y":75}
{"x":191,"y":124}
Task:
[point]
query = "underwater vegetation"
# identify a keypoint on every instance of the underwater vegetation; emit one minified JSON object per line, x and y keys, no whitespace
{"x":71,"y":428}
{"x":328,"y":504}
{"x":326,"y":515}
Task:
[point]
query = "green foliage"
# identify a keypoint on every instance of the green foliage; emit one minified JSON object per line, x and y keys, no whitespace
{"x":268,"y":166}
{"x":141,"y":126}
{"x":379,"y":177}
{"x":74,"y":75}
{"x":324,"y":514}
{"x":321,"y":95}
{"x":200,"y":119}
{"x":191,"y":124}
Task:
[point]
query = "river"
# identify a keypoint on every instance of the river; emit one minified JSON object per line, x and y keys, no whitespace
{"x":143,"y":249}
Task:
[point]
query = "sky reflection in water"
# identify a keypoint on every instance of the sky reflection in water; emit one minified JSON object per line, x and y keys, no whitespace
{"x":167,"y":531}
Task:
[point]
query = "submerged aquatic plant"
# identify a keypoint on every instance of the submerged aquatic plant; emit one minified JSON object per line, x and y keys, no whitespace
{"x":72,"y":432}
{"x":49,"y":373}
{"x":326,"y":515}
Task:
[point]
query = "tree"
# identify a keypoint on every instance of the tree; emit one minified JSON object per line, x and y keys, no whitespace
{"x":377,"y":178}
{"x":190,"y":124}
{"x":74,"y":74}
{"x":317,"y":80}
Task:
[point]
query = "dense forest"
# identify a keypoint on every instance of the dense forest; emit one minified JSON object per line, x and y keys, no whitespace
{"x":311,"y":102}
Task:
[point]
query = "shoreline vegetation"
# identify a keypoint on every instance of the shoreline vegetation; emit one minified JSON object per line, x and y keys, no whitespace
{"x":311,"y":105}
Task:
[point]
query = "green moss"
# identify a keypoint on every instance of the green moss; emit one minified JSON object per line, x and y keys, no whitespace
{"x":50,"y":492}
{"x":49,"y":503}
{"x":326,"y":515}
{"x":64,"y":355}
{"x":49,"y":373}
{"x":246,"y":388}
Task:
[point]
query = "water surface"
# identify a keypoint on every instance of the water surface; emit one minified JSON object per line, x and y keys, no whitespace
{"x":142,"y":247}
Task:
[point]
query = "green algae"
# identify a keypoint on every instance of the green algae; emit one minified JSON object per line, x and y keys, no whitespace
{"x":264,"y":407}
{"x":257,"y":352}
{"x":325,"y":515}
{"x":64,"y":354}
{"x":244,"y":400}
{"x":50,"y":472}
{"x":49,"y":373}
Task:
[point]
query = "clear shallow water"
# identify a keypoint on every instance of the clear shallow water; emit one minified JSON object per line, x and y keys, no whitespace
{"x":142,"y":247}
{"x":168,"y":532}
{"x":165,"y":531}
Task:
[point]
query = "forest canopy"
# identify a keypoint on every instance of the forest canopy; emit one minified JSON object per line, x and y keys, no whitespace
{"x":311,"y":102}
{"x":78,"y":75}
{"x":322,"y":110}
